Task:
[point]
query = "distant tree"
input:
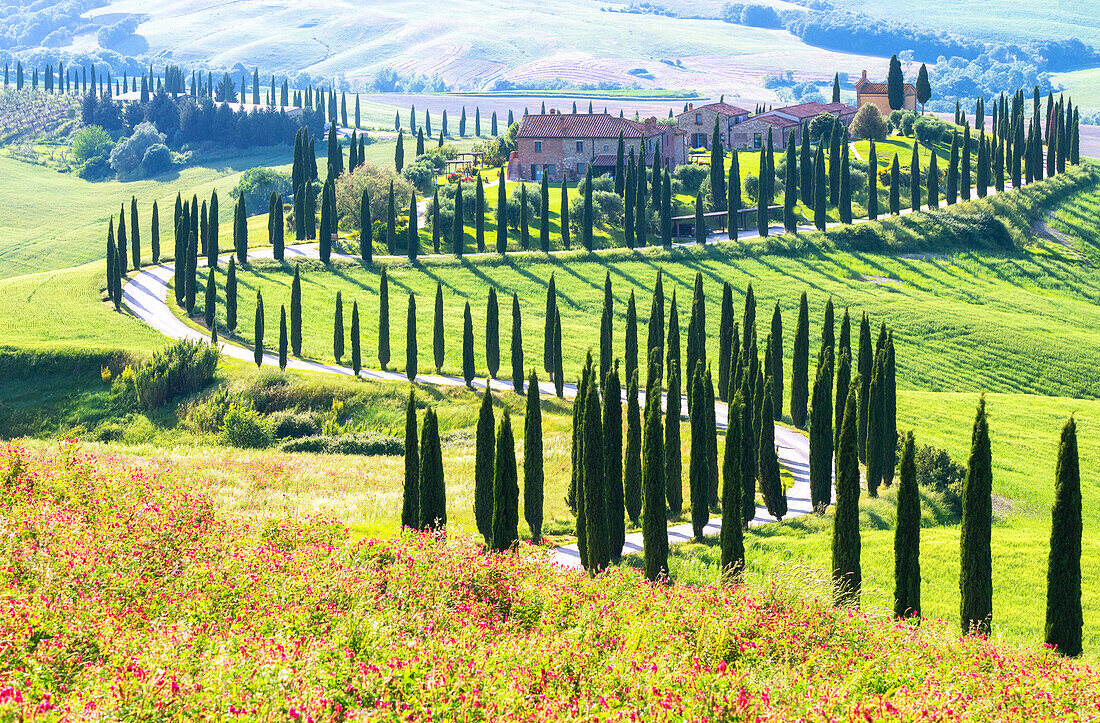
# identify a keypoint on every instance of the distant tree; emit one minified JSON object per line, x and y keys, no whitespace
{"x":412,"y":235}
{"x":868,"y":124}
{"x":517,"y":346}
{"x":544,"y":214}
{"x":952,"y":182}
{"x":606,"y":321}
{"x":924,"y":88}
{"x":399,"y":152}
{"x":844,"y":207}
{"x":366,"y":228}
{"x":438,"y":349}
{"x":934,"y":182}
{"x":533,"y":475}
{"x":467,"y":347}
{"x":872,"y":183}
{"x":484,"y":465}
{"x":154,"y":236}
{"x":821,"y":187}
{"x":1064,"y":617}
{"x":433,"y":490}
{"x":410,"y":340}
{"x":717,"y":170}
{"x":895,"y":84}
{"x":632,"y":464}
{"x":698,"y":467}
{"x":492,"y":334}
{"x":800,"y":379}
{"x":338,"y":329}
{"x":874,"y":453}
{"x":502,"y":215}
{"x":907,"y":538}
{"x":258,"y":331}
{"x":836,"y":88}
{"x":775,"y":362}
{"x":806,"y":168}
{"x":586,"y":218}
{"x":726,"y":336}
{"x":458,"y":232}
{"x":895,"y":183}
{"x":790,"y":192}
{"x":673,"y":470}
{"x":965,"y":180}
{"x":612,"y":436}
{"x":231,"y":295}
{"x":282,"y":338}
{"x":209,"y":306}
{"x":847,"y":576}
{"x":135,"y":234}
{"x":821,"y":433}
{"x":410,"y":507}
{"x":865,"y":367}
{"x":548,"y":329}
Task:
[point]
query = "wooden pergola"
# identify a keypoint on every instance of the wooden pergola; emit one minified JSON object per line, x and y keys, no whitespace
{"x":466,"y":161}
{"x":743,"y":219}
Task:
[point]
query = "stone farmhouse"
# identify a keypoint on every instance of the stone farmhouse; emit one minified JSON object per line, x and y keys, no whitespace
{"x":564,"y":145}
{"x":876,"y":95}
{"x":786,"y":124}
{"x":698,"y":122}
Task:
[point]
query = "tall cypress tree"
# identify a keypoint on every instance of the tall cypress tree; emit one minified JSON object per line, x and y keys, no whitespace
{"x":410,"y":507}
{"x":563,"y":221}
{"x":468,"y":347}
{"x":726,"y":342}
{"x":775,"y":363}
{"x":976,"y":572}
{"x":934,"y":181}
{"x":654,"y":531}
{"x":384,"y":320}
{"x":656,"y":325}
{"x":698,"y":466}
{"x":821,"y":433}
{"x":874,"y":453}
{"x":533,"y":475}
{"x":612,"y":435}
{"x":438,"y":349}
{"x":135,"y":234}
{"x":820,"y":188}
{"x":231,"y":296}
{"x":484,"y":465}
{"x":844,"y":207}
{"x":733,"y":204}
{"x":632,"y":463}
{"x":631,"y":337}
{"x":122,"y":242}
{"x":952,"y":183}
{"x":502,"y":215}
{"x":847,"y":575}
{"x":283,"y":340}
{"x":843,"y":378}
{"x":548,"y":326}
{"x":666,"y":211}
{"x":492,"y":333}
{"x":889,"y":413}
{"x":790,"y":191}
{"x":458,"y":228}
{"x":154,"y":238}
{"x":1064,"y":617}
{"x":606,"y":319}
{"x":914,"y":178}
{"x":895,"y":190}
{"x":835,"y":153}
{"x":517,"y":346}
{"x":209,"y":306}
{"x":338,"y":329}
{"x":410,"y":340}
{"x":258,"y":331}
{"x":356,"y":352}
{"x":544,"y":214}
{"x":732,"y":540}
{"x":433,"y":488}
{"x":864,"y":366}
{"x":596,"y":529}
{"x":965,"y":181}
{"x":673,"y":468}
{"x":412,"y":237}
{"x":762,"y":205}
{"x":907,"y":538}
{"x":872,"y":183}
{"x":505,"y":519}
{"x":800,"y":365}
{"x":771,"y":486}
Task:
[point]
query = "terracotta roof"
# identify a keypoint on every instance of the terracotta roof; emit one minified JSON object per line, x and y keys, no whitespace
{"x":866,"y":86}
{"x":718,"y":107}
{"x":577,"y":125}
{"x":775,"y":120}
{"x":802,"y":111}
{"x":605,"y":159}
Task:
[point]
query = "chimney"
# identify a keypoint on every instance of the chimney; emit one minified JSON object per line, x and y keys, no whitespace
{"x":691,"y":106}
{"x":865,"y":74}
{"x":553,"y":111}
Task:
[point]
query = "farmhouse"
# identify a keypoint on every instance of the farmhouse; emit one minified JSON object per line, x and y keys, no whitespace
{"x":566,"y":144}
{"x":876,"y":95}
{"x":786,"y":124}
{"x":698,"y":122}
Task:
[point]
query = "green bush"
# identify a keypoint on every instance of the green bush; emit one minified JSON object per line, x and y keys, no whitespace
{"x":291,"y":424}
{"x":182,"y":368}
{"x":244,"y":427}
{"x":691,"y":176}
{"x":939,"y":473}
{"x":257,"y":184}
{"x":362,"y":443}
{"x":208,"y":415}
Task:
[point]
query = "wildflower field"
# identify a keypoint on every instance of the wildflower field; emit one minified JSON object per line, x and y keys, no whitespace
{"x":129,"y":596}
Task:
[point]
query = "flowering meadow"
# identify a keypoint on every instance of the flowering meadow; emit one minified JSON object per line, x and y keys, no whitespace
{"x":126,"y":596}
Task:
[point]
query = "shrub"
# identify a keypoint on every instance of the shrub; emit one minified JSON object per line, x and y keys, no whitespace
{"x":607,"y":209}
{"x":691,"y":176}
{"x":376,"y":181}
{"x":157,"y":159}
{"x":821,"y":126}
{"x":939,"y":473}
{"x":290,"y":424}
{"x":257,"y":184}
{"x":208,"y":415}
{"x":421,"y":173}
{"x":930,"y":129}
{"x":534,"y":205}
{"x":244,"y":427}
{"x":126,"y":157}
{"x":182,"y":368}
{"x":868,"y":124}
{"x":362,"y":443}
{"x":91,"y":142}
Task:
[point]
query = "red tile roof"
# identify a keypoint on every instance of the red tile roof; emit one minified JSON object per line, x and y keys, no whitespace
{"x":578,"y":125}
{"x":809,"y":110}
{"x":775,"y":120}
{"x":718,"y":107}
{"x":866,"y":86}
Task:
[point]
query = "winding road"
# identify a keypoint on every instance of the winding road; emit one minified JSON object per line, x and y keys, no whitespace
{"x":145,"y":296}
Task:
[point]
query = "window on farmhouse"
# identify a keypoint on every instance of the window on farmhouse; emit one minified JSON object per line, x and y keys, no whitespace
{"x":580,"y":146}
{"x":538,"y":146}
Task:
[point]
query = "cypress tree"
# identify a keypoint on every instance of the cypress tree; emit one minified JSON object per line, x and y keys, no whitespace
{"x":296,"y":313}
{"x":613,"y":462}
{"x":548,"y":328}
{"x":895,"y":190}
{"x":258,"y":331}
{"x":240,"y":231}
{"x":836,"y":88}
{"x":641,"y":218}
{"x":771,"y":486}
{"x":820,"y":187}
{"x":698,"y":465}
{"x":112,"y":263}
{"x":122,"y":242}
{"x":952,"y":183}
{"x":559,"y":375}
{"x":845,"y":206}
{"x":632,"y":464}
{"x":479,"y":216}
{"x":433,"y":489}
{"x":596,"y":528}
{"x":790,"y":191}
{"x":964,"y":165}
{"x":775,"y":363}
{"x":605,"y":329}
{"x":575,"y":497}
{"x":492,"y":334}
{"x":631,"y":337}
{"x":843,"y":379}
{"x":874,"y":453}
{"x":976,"y":573}
{"x":458,"y":229}
{"x":711,"y":436}
{"x":914,"y":178}
{"x":544,"y":213}
{"x":502,"y":216}
{"x":732,"y":540}
{"x":872,"y":183}
{"x":436,"y":221}
{"x":654,"y":532}
{"x":484,"y":465}
{"x":656,"y":326}
{"x":725,"y":341}
{"x":391,"y":222}
{"x":282,"y":338}
{"x":835,"y":152}
{"x":209,"y":306}
{"x":533,"y":475}
{"x":762,"y":206}
{"x":895,"y":84}
{"x":338,"y":329}
{"x":666,"y":211}
{"x":410,"y":507}
{"x":467,"y":347}
{"x":821,"y":433}
{"x":907,"y":538}
{"x":864,"y":368}
{"x":517,"y":346}
{"x":231,"y":296}
{"x":1064,"y":617}
{"x":934,"y":181}
{"x":847,"y":576}
{"x":673,"y":469}
{"x":806,"y":168}
{"x":154,"y":238}
{"x":384,"y":321}
{"x":717,"y":169}
{"x":438,"y":349}
{"x":192,"y":263}
{"x":412,"y":238}
{"x":800,"y":365}
{"x":505,"y":519}
{"x":135,"y":234}
{"x":564,"y":214}
{"x":620,"y":166}
{"x":410,"y":340}
{"x":889,"y":412}
{"x":524,"y":222}
{"x":586,"y":216}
